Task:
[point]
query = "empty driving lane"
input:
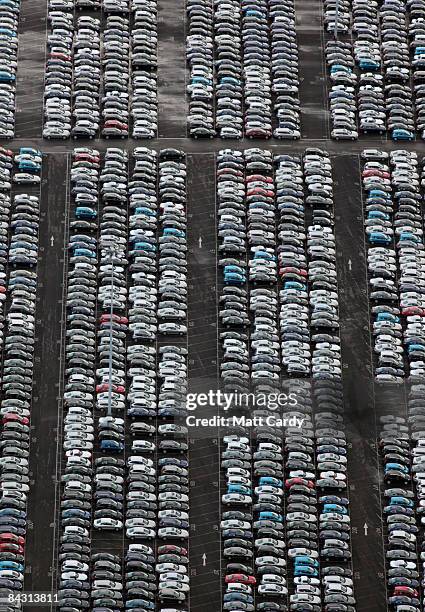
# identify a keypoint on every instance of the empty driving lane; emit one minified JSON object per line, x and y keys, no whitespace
{"x":171,"y":69}
{"x":359,"y":404}
{"x":30,"y":76}
{"x":204,"y":457}
{"x":47,"y":371}
{"x":312,"y":70}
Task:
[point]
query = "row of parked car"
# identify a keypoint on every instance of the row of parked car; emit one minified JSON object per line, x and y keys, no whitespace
{"x":264,"y":241}
{"x":416,"y":32}
{"x":113,"y":467}
{"x":87,"y":78}
{"x":20,"y":216}
{"x":408,"y":228}
{"x":270,"y":481}
{"x":393,"y":225}
{"x":372,"y":74}
{"x":9,"y":18}
{"x":243,"y":59}
{"x":247,"y":207}
{"x":402,"y":511}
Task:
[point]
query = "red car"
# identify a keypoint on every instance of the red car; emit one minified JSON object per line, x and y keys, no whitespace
{"x":258,"y":133}
{"x":7,"y":152}
{"x":113,"y":123}
{"x":11,"y":547}
{"x":291,"y":270}
{"x":259,"y":177}
{"x":405,"y":590}
{"x":107,"y":317}
{"x":375,"y":172}
{"x":231,"y":171}
{"x":105,"y":387}
{"x":413,"y":310}
{"x":260,"y":191}
{"x":12,"y":537}
{"x":10,"y":417}
{"x":87,"y":157}
{"x":243,"y":578}
{"x":300,"y":481}
{"x":170,"y":549}
{"x":62,"y":56}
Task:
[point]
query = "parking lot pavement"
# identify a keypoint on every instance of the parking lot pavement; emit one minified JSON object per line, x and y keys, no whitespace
{"x":171,"y":69}
{"x":312,"y":88}
{"x":204,"y":467}
{"x":44,"y":412}
{"x":30,"y":79}
{"x":359,"y":396}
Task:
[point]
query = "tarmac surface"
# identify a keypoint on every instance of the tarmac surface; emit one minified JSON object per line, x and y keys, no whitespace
{"x":363,"y":403}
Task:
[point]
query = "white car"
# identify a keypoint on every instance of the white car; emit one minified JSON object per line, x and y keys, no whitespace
{"x":108,"y":524}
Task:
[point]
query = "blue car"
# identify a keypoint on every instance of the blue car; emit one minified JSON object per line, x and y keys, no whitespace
{"x":294,"y":285}
{"x":264,"y":255}
{"x":306,"y":560}
{"x":140,"y":603}
{"x":270,"y":480}
{"x":111,"y":446}
{"x":238,"y":597}
{"x":400,"y":500}
{"x":27,"y":164}
{"x":11,"y":565}
{"x":172,"y":231}
{"x":30,"y":151}
{"x":144,"y":246}
{"x":255,"y":13}
{"x":378,"y":214}
{"x":415,"y":347}
{"x":399,"y":134}
{"x":379,"y":238}
{"x":8,"y":32}
{"x":7,"y":77}
{"x":142,"y":210}
{"x":368,"y":64}
{"x":84,"y":253}
{"x":230,"y":80}
{"x":379,"y":193}
{"x":201,"y":79}
{"x":305,"y":570}
{"x":234,"y":278}
{"x":13,"y":6}
{"x":237,"y":488}
{"x":396,"y":466}
{"x":340,"y":68}
{"x":234,"y":268}
{"x":385,"y":316}
{"x":409,"y":236}
{"x":334,"y":508}
{"x":85,"y":212}
{"x":271,"y":516}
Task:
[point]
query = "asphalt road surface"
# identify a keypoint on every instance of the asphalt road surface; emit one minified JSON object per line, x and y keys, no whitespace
{"x":46,"y":404}
{"x":205,"y":547}
{"x":171,"y":69}
{"x":312,"y":89}
{"x":359,"y":398}
{"x":364,"y":403}
{"x":31,"y":60}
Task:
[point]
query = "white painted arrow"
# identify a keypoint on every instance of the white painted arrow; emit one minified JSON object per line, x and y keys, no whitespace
{"x":349,"y":264}
{"x":204,"y":559}
{"x":365,"y":527}
{"x":52,"y":240}
{"x":200,"y":242}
